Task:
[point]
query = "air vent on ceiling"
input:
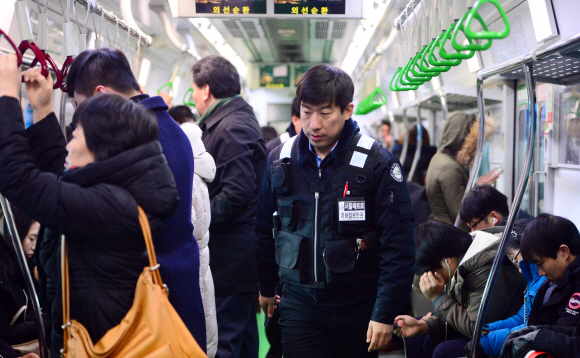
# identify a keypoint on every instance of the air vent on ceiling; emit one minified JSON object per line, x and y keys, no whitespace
{"x":288,"y":38}
{"x":250,"y":29}
{"x":338,"y":30}
{"x":321,"y":30}
{"x":234,"y":29}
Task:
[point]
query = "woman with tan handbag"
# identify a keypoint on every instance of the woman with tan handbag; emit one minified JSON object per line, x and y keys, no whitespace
{"x":96,"y":216}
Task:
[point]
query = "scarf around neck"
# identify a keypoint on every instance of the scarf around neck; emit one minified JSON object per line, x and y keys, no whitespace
{"x":219,"y":103}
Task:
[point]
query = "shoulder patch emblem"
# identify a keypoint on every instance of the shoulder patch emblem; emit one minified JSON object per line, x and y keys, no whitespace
{"x":574,"y":301}
{"x":397,"y":174}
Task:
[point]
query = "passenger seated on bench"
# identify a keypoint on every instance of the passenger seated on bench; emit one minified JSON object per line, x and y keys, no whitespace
{"x":553,"y":244}
{"x":446,"y":255}
{"x":484,"y":206}
{"x":496,"y":333}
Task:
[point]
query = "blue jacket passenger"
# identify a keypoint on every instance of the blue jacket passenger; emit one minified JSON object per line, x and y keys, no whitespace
{"x":494,"y":340}
{"x":175,"y":246}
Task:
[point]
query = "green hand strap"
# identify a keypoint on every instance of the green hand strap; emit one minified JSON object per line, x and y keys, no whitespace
{"x":473,"y":45}
{"x":486,"y":34}
{"x":425,"y":66}
{"x":416,"y":70}
{"x":188,"y":98}
{"x":168,"y":84}
{"x":434,"y":60}
{"x":453,"y":56}
{"x":374,"y":101}
{"x":396,"y":86}
{"x":416,"y":75}
{"x":411,"y":81}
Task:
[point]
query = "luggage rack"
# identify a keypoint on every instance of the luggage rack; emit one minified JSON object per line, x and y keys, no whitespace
{"x":559,"y":69}
{"x":546,"y":61}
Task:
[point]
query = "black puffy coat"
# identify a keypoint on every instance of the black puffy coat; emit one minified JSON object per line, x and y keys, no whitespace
{"x":95,"y":207}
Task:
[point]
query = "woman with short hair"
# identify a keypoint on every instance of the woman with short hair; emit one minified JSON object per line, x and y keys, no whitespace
{"x":114,"y":164}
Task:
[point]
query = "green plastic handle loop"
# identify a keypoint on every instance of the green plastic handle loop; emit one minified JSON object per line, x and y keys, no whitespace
{"x":188,"y":98}
{"x":168,"y":84}
{"x":412,"y":81}
{"x":434,"y":60}
{"x":396,"y":86}
{"x":415,"y":77}
{"x":458,"y":55}
{"x":424,"y":64}
{"x":416,"y":71}
{"x":486,"y":34}
{"x":374,"y":101}
{"x":474,"y":46}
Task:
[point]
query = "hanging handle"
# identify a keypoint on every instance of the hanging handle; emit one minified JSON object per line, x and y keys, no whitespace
{"x":458,"y":55}
{"x":486,"y":34}
{"x":64,"y":72}
{"x":16,"y":50}
{"x":169,"y":85}
{"x":188,"y":98}
{"x":472,"y":46}
{"x":59,"y":78}
{"x":435,"y":61}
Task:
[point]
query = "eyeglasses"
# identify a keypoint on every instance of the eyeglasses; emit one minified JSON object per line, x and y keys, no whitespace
{"x":478,"y":221}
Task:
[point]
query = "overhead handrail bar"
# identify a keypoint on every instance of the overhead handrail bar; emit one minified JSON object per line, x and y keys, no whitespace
{"x":113,"y":19}
{"x":404,"y":16}
{"x":530,"y":84}
{"x":418,"y":146}
{"x":26,"y":37}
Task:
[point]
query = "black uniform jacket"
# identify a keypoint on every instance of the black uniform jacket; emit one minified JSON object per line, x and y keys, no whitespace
{"x":95,"y":207}
{"x":396,"y":255}
{"x":563,"y":306}
{"x":234,"y":139}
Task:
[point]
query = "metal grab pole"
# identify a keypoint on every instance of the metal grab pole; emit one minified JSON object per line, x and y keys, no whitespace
{"x":514,"y":209}
{"x":9,"y":218}
{"x":419,"y":146}
{"x":480,"y":143}
{"x":405,"y":138}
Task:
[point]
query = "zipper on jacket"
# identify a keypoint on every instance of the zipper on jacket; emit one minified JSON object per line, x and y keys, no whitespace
{"x":316,"y":196}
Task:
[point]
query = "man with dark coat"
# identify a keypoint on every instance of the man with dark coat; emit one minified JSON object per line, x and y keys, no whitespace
{"x":107,"y":70}
{"x":232,"y":135}
{"x":293,"y":128}
{"x":338,"y":206}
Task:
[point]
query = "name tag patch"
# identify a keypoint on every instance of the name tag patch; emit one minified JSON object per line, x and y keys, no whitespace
{"x":365,"y":142}
{"x":351,"y":211}
{"x":358,"y":159}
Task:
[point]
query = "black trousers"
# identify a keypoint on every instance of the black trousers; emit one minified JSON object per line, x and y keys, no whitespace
{"x":311,"y":328}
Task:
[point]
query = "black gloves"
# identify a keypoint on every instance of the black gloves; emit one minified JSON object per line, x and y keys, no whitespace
{"x":479,"y":353}
{"x":520,"y":342}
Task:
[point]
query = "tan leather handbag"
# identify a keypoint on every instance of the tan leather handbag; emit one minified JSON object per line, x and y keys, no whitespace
{"x":151,"y":329}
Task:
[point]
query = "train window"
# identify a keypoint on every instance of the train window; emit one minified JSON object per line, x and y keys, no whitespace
{"x":569,"y":146}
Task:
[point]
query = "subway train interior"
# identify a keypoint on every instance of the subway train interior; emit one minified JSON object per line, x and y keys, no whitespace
{"x":412,"y":62}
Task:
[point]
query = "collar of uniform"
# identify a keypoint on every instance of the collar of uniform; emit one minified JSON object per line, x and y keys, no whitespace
{"x":138,"y":98}
{"x":228,"y":108}
{"x":337,"y":153}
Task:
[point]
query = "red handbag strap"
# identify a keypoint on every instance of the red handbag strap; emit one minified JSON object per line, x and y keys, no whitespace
{"x":540,"y":354}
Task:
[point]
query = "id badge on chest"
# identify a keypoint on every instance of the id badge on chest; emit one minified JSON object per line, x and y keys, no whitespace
{"x":351,"y":210}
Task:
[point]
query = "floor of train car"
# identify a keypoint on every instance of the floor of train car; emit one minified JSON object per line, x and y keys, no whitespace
{"x":265,"y":346}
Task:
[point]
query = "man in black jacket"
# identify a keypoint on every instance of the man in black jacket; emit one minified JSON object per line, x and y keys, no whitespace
{"x":232,"y":135}
{"x":293,"y":128}
{"x":552,"y":243}
{"x":343,"y":233}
